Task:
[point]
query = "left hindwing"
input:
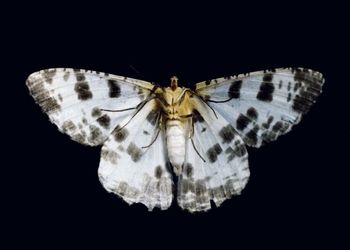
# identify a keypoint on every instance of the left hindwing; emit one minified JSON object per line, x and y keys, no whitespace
{"x":75,"y":100}
{"x":216,"y":162}
{"x":263,"y":105}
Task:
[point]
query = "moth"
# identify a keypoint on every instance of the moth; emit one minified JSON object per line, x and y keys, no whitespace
{"x":152,"y":135}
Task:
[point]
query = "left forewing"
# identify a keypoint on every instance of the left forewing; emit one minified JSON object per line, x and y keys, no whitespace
{"x":263,"y":105}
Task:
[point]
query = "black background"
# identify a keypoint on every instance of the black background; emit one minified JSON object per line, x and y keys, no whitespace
{"x":295,"y":195}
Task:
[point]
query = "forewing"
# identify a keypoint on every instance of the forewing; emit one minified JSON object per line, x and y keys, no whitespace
{"x":132,"y":166}
{"x":263,"y":105}
{"x":216,"y":164}
{"x":73,"y":100}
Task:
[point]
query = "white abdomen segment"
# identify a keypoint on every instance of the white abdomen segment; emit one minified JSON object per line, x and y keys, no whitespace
{"x":175,"y":140}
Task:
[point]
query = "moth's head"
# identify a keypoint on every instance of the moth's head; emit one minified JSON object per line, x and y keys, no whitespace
{"x":173,"y":82}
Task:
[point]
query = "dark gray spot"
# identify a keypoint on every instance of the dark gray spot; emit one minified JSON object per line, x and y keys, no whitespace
{"x":114,"y":89}
{"x":239,"y":149}
{"x":267,"y":77}
{"x":109,"y":155}
{"x":68,"y":126}
{"x":280,"y":127}
{"x":277,"y":127}
{"x":308,"y":92}
{"x":50,"y":105}
{"x":218,"y":193}
{"x":297,"y":86}
{"x":227,"y":133}
{"x":43,"y":97}
{"x":213,"y":152}
{"x":203,"y":129}
{"x":201,"y":192}
{"x":158,"y":172}
{"x":48,"y":75}
{"x":66,"y":75}
{"x":83,"y":91}
{"x":251,"y":138}
{"x":188,"y":170}
{"x":80,"y":77}
{"x":206,"y":97}
{"x":79,"y":137}
{"x":265,"y":93}
{"x":120,"y":134}
{"x":234,"y":90}
{"x":207,"y":82}
{"x":200,"y":188}
{"x":95,"y":134}
{"x":104,"y":121}
{"x":289,"y":86}
{"x":242,"y":122}
{"x":134,"y":152}
{"x":289,"y":97}
{"x":146,"y":132}
{"x":60,"y":97}
{"x":231,"y":154}
{"x":96,"y":112}
{"x":187,"y":186}
{"x":152,"y":117}
{"x":252,"y":113}
{"x":84,"y":121}
{"x":196,"y":116}
{"x":121,"y":190}
{"x":268,"y":136}
{"x":268,"y":122}
{"x":280,"y":84}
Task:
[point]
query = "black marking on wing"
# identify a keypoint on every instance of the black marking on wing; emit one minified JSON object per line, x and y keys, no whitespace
{"x":308,"y":92}
{"x":252,"y":113}
{"x":242,"y":122}
{"x":213,"y":152}
{"x":120,"y":134}
{"x":227,"y":133}
{"x":104,"y":121}
{"x":152,"y":117}
{"x":188,"y":170}
{"x":267,"y":88}
{"x":196,"y":116}
{"x":83,"y":91}
{"x":158,"y":172}
{"x":234,"y":90}
{"x":114,"y":88}
{"x":134,"y":152}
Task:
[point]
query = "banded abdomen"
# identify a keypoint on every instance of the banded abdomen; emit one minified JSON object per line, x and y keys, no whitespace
{"x":175,"y":139}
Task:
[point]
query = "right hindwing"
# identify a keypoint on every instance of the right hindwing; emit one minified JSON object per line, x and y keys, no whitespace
{"x":134,"y":160}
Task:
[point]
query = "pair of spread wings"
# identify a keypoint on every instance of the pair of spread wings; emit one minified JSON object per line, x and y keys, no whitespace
{"x":96,"y":108}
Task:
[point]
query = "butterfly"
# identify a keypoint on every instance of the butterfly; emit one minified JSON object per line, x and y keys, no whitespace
{"x":152,"y":134}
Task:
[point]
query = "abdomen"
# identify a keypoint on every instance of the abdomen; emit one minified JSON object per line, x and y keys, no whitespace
{"x":175,"y":139}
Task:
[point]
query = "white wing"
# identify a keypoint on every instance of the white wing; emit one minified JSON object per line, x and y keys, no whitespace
{"x":73,"y":99}
{"x":216,"y":164}
{"x":132,"y":168}
{"x":263,"y":105}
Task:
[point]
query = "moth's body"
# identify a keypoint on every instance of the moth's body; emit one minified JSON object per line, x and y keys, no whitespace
{"x":202,"y":132}
{"x":176,"y":110}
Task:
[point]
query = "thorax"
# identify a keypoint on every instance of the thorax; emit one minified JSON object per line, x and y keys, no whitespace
{"x":175,"y":103}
